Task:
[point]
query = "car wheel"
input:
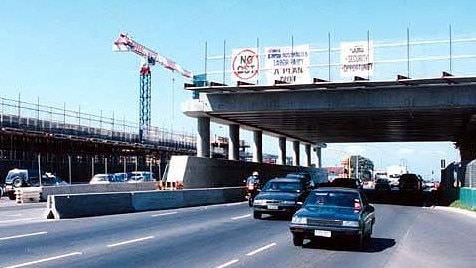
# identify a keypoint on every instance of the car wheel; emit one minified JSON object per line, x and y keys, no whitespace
{"x":256,"y":215}
{"x":17,"y":182}
{"x":298,"y":240}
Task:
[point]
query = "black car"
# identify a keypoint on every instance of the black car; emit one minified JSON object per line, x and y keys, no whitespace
{"x":410,"y":183}
{"x":334,"y":212}
{"x":280,"y":196}
{"x":305,"y":176}
{"x":346,"y":183}
{"x":382,"y":185}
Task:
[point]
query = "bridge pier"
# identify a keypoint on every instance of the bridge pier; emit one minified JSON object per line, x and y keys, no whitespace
{"x":203,"y":138}
{"x":258,"y":146}
{"x":282,"y":150}
{"x":296,"y":158}
{"x":234,"y":142}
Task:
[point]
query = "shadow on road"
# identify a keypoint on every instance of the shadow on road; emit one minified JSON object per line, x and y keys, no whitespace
{"x":377,"y":244}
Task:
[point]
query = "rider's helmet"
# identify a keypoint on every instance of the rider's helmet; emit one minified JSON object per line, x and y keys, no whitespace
{"x":255,"y":173}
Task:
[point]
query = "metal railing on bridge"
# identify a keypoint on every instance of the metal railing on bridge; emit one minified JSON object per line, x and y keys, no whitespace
{"x":17,"y":114}
{"x":341,"y":60}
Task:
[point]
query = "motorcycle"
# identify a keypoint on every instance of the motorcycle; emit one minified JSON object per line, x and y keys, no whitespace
{"x":252,"y":189}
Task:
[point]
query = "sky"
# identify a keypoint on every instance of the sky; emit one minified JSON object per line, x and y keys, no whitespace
{"x":59,"y":53}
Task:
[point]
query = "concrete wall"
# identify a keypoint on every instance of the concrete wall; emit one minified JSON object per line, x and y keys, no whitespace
{"x":86,"y":205}
{"x":96,"y":188}
{"x":200,"y":172}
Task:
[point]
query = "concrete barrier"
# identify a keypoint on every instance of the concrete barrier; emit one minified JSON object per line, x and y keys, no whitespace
{"x":467,"y":196}
{"x":86,"y":205}
{"x":96,"y":188}
{"x":201,"y":172}
{"x":156,"y":200}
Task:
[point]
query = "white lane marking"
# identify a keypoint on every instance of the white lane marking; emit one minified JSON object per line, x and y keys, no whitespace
{"x":228,"y":263}
{"x":23,"y":235}
{"x":163,"y":214}
{"x":13,"y":215}
{"x":130,"y":241}
{"x":241,"y":217}
{"x":45,"y":260}
{"x":17,"y":220}
{"x":234,"y":204}
{"x":261,"y":249}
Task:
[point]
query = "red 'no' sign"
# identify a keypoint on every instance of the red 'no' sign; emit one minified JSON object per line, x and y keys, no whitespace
{"x":245,"y":64}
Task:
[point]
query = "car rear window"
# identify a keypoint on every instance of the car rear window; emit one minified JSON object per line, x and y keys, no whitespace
{"x":283,"y":186}
{"x":339,"y":199}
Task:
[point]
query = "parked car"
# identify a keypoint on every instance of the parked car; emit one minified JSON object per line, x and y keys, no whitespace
{"x":347,"y":183}
{"x":120,"y":177}
{"x":17,"y":178}
{"x":102,"y":179}
{"x":382,"y":185}
{"x":280,"y":196}
{"x":140,"y":176}
{"x":334,"y":212}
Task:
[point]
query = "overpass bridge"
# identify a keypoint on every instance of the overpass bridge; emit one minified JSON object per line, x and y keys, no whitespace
{"x":417,"y":110}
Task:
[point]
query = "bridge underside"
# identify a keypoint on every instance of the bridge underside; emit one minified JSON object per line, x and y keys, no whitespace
{"x":395,"y":111}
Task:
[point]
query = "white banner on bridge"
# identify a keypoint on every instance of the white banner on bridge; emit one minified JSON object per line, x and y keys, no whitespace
{"x":287,"y":64}
{"x":245,"y":65}
{"x":356,"y":59}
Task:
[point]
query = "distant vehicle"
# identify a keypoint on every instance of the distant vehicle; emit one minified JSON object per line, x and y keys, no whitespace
{"x":394,"y":172}
{"x":334,"y":212}
{"x":120,"y":177}
{"x":17,"y":178}
{"x":280,"y":196}
{"x":382,"y":185}
{"x":410,"y":183}
{"x":102,"y":179}
{"x":140,"y":176}
{"x":347,"y":183}
{"x":304,"y":176}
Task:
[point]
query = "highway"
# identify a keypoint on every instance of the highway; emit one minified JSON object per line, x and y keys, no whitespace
{"x":227,"y":236}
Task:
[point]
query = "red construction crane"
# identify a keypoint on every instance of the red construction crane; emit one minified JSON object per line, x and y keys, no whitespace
{"x":124,"y":43}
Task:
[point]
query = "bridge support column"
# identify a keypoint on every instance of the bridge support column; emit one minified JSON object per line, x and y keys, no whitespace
{"x":296,"y":152}
{"x":203,"y":138}
{"x":282,"y":151}
{"x":234,"y":142}
{"x":319,"y":156}
{"x":258,"y":146}
{"x":307,"y":149}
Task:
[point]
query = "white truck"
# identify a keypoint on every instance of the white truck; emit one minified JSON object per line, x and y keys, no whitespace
{"x":393,"y":174}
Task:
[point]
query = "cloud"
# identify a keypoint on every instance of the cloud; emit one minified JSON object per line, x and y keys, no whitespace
{"x":406,"y":151}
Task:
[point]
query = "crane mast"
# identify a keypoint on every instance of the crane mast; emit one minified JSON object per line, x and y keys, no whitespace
{"x":124,"y":43}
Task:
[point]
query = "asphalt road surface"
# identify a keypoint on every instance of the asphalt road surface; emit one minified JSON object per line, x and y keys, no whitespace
{"x":228,"y":236}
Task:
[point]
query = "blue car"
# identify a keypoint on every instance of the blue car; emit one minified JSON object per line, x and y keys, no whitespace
{"x":280,"y":196}
{"x":334,"y":212}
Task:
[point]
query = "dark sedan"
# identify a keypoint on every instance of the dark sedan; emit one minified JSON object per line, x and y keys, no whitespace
{"x":334,"y":212}
{"x":280,"y":196}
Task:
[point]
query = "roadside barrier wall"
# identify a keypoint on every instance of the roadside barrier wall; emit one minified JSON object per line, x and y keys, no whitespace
{"x":202,"y":172}
{"x":467,"y":196}
{"x":65,"y":206}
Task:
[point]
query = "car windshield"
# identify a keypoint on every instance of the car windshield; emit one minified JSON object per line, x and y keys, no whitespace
{"x":339,"y":199}
{"x":282,"y":186}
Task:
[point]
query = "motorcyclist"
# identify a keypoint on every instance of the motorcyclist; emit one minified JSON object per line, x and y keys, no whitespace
{"x":252,"y":187}
{"x":253,"y":179}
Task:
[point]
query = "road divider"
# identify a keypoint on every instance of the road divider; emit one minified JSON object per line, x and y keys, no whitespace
{"x":64,"y":206}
